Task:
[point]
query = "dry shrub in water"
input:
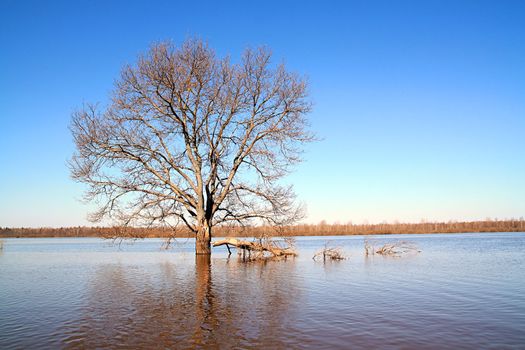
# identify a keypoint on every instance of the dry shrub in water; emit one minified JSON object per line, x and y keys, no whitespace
{"x":329,"y":253}
{"x":260,"y":249}
{"x":396,"y":248}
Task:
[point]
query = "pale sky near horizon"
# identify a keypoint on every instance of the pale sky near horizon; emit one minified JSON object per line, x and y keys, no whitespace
{"x":419,"y":105}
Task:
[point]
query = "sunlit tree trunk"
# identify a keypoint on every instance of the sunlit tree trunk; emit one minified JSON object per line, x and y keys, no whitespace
{"x":203,"y":239}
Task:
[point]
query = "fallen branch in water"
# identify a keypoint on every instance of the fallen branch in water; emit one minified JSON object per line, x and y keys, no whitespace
{"x":397,"y":248}
{"x":329,"y":253}
{"x":255,"y":250}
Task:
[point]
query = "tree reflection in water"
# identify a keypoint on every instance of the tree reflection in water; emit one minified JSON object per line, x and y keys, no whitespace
{"x":209,"y":304}
{"x":205,"y":313}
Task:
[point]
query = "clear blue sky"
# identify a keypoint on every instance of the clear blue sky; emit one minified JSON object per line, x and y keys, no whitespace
{"x":420,"y":104}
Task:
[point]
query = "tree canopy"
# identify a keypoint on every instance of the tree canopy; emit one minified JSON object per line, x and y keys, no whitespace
{"x":190,"y":138}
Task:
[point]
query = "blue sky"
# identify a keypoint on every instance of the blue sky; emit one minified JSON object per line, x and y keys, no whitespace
{"x":420,"y":104}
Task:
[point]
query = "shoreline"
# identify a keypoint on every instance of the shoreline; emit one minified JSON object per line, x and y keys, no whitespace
{"x":14,"y":236}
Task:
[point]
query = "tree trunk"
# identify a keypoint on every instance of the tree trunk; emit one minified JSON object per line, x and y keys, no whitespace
{"x":203,"y":240}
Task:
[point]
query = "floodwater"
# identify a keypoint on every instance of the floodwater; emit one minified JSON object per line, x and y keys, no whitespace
{"x":460,"y":291}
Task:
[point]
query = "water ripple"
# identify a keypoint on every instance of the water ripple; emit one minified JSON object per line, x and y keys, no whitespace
{"x":460,"y":292}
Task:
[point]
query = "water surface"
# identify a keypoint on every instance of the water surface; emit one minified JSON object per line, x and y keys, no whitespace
{"x":461,"y":291}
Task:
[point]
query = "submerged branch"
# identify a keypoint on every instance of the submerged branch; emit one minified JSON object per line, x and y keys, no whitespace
{"x":260,"y":248}
{"x":397,"y":248}
{"x":329,"y":253}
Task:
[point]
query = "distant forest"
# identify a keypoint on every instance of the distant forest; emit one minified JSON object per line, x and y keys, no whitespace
{"x":320,"y":229}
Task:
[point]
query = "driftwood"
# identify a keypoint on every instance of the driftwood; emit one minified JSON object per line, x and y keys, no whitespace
{"x":329,"y":253}
{"x":259,"y":248}
{"x":391,"y":249}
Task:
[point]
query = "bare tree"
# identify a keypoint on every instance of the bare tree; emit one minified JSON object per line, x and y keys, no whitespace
{"x":192,"y":139}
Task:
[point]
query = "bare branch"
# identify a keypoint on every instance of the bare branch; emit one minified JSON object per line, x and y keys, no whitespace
{"x":193,"y":139}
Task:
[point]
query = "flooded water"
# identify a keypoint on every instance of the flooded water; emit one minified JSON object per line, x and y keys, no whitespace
{"x":460,"y":291}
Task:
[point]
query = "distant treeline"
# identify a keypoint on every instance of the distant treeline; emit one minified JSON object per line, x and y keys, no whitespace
{"x":321,"y":229}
